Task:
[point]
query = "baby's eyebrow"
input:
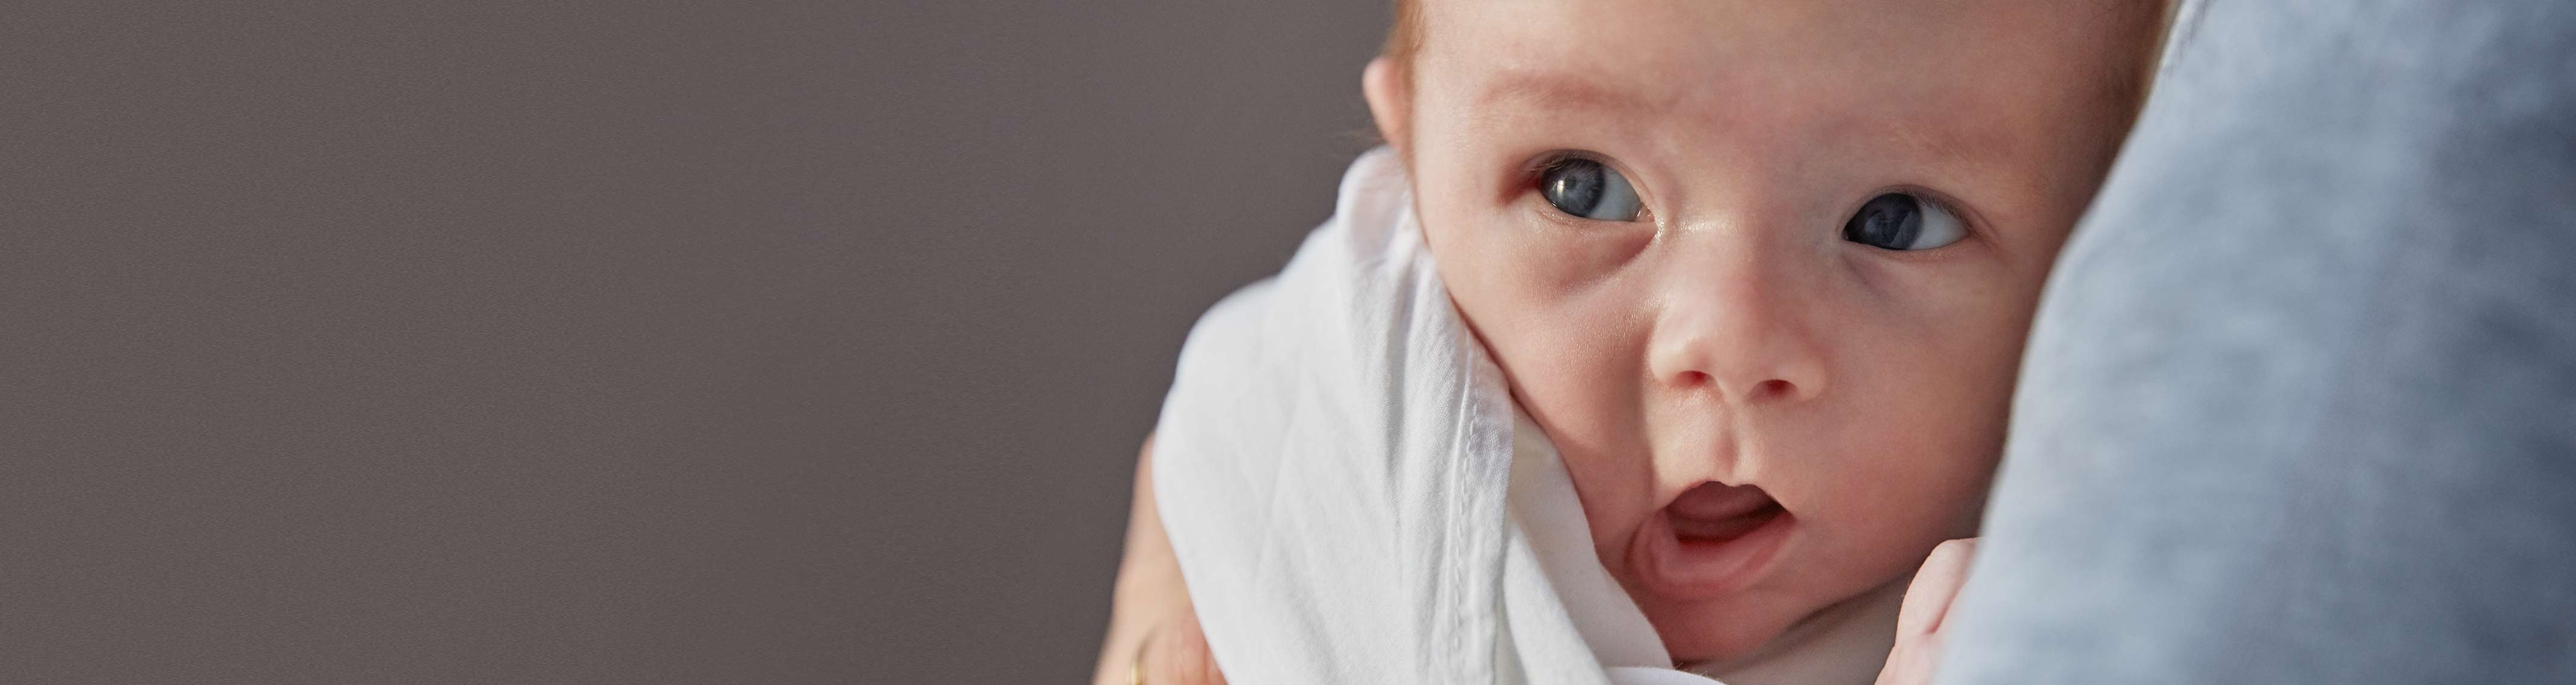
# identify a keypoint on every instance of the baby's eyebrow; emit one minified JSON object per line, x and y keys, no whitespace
{"x":1548,"y":90}
{"x":1512,"y":91}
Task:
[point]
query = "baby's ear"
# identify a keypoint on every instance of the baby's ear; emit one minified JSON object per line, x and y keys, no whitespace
{"x":1390,"y":101}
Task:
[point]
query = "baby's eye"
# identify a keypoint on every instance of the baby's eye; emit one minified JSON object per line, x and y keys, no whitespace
{"x":1588,"y":189}
{"x":1901,"y":221}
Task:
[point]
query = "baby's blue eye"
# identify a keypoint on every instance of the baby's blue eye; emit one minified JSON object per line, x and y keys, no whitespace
{"x":1588,"y":189}
{"x":1901,"y":221}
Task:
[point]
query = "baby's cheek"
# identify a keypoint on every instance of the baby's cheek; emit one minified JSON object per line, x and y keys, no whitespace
{"x":1566,"y":341}
{"x":1906,"y":457}
{"x":1926,"y":483}
{"x":1568,"y":370}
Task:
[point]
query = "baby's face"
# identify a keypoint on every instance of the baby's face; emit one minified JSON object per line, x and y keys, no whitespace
{"x":1762,"y":269}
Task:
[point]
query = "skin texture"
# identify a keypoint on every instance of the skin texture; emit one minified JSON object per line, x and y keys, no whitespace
{"x":1730,"y":334}
{"x":1153,"y":634}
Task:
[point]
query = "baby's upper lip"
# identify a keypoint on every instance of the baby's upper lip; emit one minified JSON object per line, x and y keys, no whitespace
{"x":1713,"y":501}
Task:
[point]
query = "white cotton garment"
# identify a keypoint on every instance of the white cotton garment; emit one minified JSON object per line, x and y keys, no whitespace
{"x":1354,"y":497}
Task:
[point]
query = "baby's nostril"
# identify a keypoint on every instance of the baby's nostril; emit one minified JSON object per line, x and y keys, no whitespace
{"x":1693,"y":379}
{"x":1772,"y":388}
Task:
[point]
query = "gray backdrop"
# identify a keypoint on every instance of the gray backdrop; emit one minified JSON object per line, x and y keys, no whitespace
{"x":621,"y":342}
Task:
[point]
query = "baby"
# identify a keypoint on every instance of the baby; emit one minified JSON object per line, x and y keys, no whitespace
{"x":1759,"y":270}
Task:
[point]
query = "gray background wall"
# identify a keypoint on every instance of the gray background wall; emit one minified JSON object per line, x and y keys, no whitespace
{"x":517,"y":342}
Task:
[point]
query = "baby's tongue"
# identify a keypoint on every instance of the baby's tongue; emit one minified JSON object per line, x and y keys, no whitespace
{"x":1719,"y":511}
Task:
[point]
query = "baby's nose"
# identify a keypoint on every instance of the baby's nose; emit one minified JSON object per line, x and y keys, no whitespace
{"x":1737,"y":338}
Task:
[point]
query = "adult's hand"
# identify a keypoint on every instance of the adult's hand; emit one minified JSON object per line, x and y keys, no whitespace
{"x":1154,"y":634}
{"x":1918,"y":620}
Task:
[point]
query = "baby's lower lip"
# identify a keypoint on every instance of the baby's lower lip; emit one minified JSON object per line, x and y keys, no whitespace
{"x":1685,"y":557}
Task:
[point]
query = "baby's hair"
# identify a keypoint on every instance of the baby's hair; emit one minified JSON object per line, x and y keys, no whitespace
{"x":1404,"y":34}
{"x":2125,"y":86}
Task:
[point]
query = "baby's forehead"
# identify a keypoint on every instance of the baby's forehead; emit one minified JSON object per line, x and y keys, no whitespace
{"x":1917,"y":28}
{"x":1974,"y":78}
{"x":1930,"y":123}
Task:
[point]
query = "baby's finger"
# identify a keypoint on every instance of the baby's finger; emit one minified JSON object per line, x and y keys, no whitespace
{"x":1178,"y":655}
{"x":1927,"y":599}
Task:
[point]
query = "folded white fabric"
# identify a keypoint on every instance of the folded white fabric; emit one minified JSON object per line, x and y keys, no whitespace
{"x":1353,"y":496}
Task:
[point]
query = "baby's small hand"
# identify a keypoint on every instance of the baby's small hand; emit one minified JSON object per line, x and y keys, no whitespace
{"x":1919,"y":620}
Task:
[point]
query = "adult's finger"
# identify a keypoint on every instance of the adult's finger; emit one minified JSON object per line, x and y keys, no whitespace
{"x":1917,"y":652}
{"x":1927,"y":599}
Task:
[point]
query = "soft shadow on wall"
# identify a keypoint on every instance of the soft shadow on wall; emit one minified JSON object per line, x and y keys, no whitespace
{"x":777,"y":342}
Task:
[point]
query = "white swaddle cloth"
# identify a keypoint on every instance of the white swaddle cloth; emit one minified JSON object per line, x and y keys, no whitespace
{"x":1354,"y":498}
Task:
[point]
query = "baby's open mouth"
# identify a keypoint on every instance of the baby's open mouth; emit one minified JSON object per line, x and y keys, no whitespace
{"x":1716,"y":512}
{"x":1713,"y":539}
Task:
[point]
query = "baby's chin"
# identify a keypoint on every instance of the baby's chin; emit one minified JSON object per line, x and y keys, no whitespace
{"x":1718,"y":630}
